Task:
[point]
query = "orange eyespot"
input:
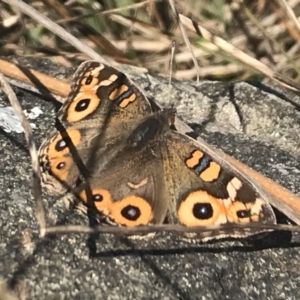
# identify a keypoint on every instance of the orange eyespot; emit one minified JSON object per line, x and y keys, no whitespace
{"x":90,"y":79}
{"x":239,"y":212}
{"x":131,"y":211}
{"x":59,"y":146}
{"x":101,"y":199}
{"x":201,"y":209}
{"x":88,"y":82}
{"x":60,"y":167}
{"x":83,"y":104}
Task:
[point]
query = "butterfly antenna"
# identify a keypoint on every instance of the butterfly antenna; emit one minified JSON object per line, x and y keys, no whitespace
{"x":173,"y":46}
{"x":185,"y":37}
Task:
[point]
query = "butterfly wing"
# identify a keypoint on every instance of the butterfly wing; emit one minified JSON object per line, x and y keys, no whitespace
{"x":206,"y":192}
{"x":130,"y":191}
{"x":93,"y":122}
{"x":167,"y":176}
{"x":100,"y":96}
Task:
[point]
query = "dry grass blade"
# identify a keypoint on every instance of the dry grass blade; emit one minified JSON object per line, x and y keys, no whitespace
{"x":287,"y":81}
{"x":138,"y":26}
{"x":56,"y":29}
{"x":290,"y":13}
{"x":234,"y":52}
{"x":34,"y":81}
{"x":131,"y":6}
{"x":37,"y":191}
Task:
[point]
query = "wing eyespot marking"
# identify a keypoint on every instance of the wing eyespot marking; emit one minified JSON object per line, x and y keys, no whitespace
{"x":89,"y":79}
{"x":59,"y":167}
{"x":129,"y":211}
{"x":239,"y":212}
{"x":59,"y":145}
{"x":82,"y":105}
{"x":101,"y":198}
{"x":199,"y":208}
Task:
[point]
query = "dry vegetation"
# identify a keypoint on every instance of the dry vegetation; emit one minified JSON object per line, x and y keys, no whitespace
{"x":141,"y":33}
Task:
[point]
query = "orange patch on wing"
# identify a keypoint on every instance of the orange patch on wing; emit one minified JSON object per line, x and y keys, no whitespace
{"x":75,"y":116}
{"x":128,"y":100}
{"x":117,"y":92}
{"x":186,"y":214}
{"x":109,"y":81}
{"x":194,"y":159}
{"x":139,"y":206}
{"x":211,"y":173}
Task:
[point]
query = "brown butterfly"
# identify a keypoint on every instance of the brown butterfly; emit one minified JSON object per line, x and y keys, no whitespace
{"x":124,"y":157}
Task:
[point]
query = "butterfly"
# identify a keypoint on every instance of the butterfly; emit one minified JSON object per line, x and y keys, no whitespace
{"x":117,"y":152}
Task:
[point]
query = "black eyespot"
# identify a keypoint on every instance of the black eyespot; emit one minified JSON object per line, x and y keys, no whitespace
{"x":131,"y":212}
{"x":243,"y":214}
{"x":60,"y":166}
{"x":89,"y":79}
{"x":60,"y":145}
{"x":97,"y":198}
{"x":82,"y":104}
{"x":203,"y":211}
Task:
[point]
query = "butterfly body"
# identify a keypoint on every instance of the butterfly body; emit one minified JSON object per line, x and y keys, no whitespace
{"x":119,"y":154}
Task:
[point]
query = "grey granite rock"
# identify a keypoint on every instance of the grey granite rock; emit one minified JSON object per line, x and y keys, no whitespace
{"x":257,"y":124}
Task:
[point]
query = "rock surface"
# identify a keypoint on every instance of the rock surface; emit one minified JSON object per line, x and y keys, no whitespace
{"x":257,"y":124}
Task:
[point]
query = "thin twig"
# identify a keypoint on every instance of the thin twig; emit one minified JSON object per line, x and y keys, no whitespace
{"x":185,"y":37}
{"x":168,"y":228}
